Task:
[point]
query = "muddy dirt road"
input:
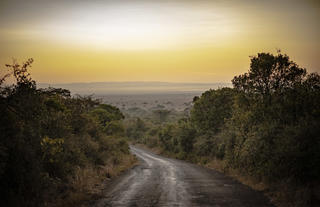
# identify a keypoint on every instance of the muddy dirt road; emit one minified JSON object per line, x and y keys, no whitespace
{"x":159,"y":181}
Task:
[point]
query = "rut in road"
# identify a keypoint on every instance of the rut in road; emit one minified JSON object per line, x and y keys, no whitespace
{"x":159,"y":181}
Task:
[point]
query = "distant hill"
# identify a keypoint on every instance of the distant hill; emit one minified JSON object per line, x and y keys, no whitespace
{"x":104,"y":88}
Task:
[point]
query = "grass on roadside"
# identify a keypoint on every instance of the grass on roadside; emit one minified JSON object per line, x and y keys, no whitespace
{"x":88,"y":183}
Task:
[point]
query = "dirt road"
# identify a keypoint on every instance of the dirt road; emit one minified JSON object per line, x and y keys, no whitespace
{"x":160,"y":181}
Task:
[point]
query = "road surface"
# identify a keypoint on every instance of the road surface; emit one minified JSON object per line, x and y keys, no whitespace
{"x":159,"y":181}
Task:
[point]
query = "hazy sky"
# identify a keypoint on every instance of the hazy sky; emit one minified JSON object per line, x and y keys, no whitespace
{"x":173,"y":41}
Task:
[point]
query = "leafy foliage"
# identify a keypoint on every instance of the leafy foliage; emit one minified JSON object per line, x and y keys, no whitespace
{"x":46,"y":135}
{"x":266,"y":126}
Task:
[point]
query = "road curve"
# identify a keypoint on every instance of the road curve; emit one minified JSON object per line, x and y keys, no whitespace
{"x":159,"y":181}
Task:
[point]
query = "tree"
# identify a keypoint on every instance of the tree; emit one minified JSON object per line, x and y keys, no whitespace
{"x":162,"y":114}
{"x":269,"y":74}
{"x":275,"y":120}
{"x":186,"y":136}
{"x":210,"y":111}
{"x":46,"y":135}
{"x":20,"y":136}
{"x":166,"y":137}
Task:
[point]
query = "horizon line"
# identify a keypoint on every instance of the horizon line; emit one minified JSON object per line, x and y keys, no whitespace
{"x":229,"y":82}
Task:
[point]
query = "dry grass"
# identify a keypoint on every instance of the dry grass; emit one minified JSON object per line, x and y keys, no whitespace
{"x":88,"y":183}
{"x":221,"y":166}
{"x":282,"y":194}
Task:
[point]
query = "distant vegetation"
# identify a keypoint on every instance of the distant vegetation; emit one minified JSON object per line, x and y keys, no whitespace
{"x":134,"y":88}
{"x":267,"y":127}
{"x":55,"y":147}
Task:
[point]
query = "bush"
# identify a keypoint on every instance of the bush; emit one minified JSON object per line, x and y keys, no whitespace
{"x":46,"y":136}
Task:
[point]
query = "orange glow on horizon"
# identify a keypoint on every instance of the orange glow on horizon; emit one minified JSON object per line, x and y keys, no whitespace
{"x":153,"y":41}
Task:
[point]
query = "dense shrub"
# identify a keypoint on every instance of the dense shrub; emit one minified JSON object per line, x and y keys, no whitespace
{"x":46,"y":135}
{"x":266,"y":126}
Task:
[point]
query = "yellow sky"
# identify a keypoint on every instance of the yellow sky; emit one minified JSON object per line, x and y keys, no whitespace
{"x":180,"y":41}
